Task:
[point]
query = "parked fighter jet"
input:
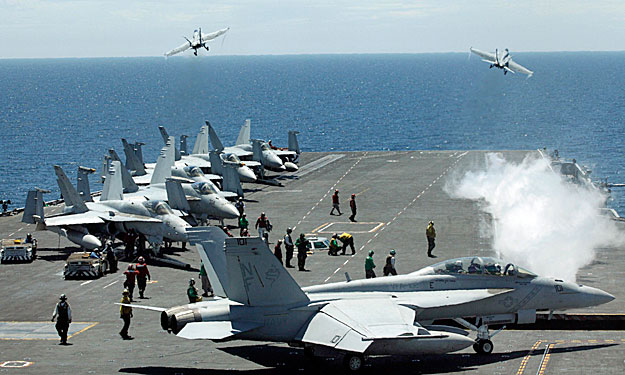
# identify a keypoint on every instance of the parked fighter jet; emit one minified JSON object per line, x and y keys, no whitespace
{"x":476,"y":287}
{"x":502,"y":61}
{"x":199,"y":41}
{"x":257,"y":150}
{"x":262,"y":302}
{"x":204,"y":199}
{"x":81,"y":220}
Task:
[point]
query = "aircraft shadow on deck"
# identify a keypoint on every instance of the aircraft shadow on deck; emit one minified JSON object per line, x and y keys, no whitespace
{"x":288,"y":360}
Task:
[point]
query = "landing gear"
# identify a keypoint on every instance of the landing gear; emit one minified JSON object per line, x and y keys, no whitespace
{"x":353,"y":362}
{"x":195,"y":52}
{"x":483,"y":346}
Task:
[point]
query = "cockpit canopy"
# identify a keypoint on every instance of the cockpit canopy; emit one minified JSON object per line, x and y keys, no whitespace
{"x":264,"y":146}
{"x":192,"y":171}
{"x":231,"y":158}
{"x":158,"y":207}
{"x":204,"y":188}
{"x":476,"y":266}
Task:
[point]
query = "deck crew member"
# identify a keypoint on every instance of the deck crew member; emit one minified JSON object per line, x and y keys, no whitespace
{"x":352,"y":206}
{"x":131,"y":276}
{"x":288,"y":246}
{"x":263,"y":225}
{"x":335,"y":203}
{"x":389,"y":267}
{"x":369,"y":266}
{"x":143,"y":273}
{"x":277,"y":250}
{"x":63,"y":315}
{"x":347,"y":240}
{"x":206,"y":285}
{"x":240,"y":206}
{"x":192,"y":292}
{"x":243,"y":224}
{"x":430,"y":233}
{"x":302,"y":249}
{"x":333,"y":247}
{"x":125,"y":313}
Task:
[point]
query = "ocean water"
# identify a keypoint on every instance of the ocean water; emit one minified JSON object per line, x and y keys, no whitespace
{"x":71,"y":111}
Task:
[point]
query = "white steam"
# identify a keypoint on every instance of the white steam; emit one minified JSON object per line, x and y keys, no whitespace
{"x":540,"y":221}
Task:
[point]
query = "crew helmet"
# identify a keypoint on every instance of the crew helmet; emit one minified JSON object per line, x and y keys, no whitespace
{"x":141,"y":259}
{"x":392,"y":252}
{"x":63,"y":297}
{"x":192,"y":282}
{"x":370,"y":252}
{"x":289,"y":230}
{"x":125,"y":292}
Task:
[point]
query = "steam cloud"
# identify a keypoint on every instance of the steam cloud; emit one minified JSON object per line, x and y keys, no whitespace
{"x":540,"y":221}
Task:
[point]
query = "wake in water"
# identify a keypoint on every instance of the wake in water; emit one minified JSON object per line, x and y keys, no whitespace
{"x":539,"y":220}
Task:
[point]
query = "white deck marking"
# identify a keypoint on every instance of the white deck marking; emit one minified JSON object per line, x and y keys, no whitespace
{"x":86,"y":282}
{"x":106,"y":286}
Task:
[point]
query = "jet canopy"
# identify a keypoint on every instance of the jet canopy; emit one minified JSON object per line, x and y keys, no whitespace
{"x":231,"y":158}
{"x":477,"y":266}
{"x":204,"y":188}
{"x":158,"y":207}
{"x":193,"y":171}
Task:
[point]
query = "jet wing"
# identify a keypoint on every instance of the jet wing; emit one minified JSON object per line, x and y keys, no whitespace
{"x":485,"y":55}
{"x":215,"y":330}
{"x":176,"y":50}
{"x":343,"y":325}
{"x":88,"y":217}
{"x":237,"y":151}
{"x":285,"y":153}
{"x":214,"y":34}
{"x":519,"y":68}
{"x":436,"y":298}
{"x":118,"y":217}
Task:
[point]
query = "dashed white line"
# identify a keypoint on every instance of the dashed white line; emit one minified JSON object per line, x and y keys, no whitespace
{"x":106,"y":286}
{"x":86,"y":282}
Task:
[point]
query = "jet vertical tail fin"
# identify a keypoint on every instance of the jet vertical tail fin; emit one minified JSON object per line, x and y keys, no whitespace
{"x":176,"y":196}
{"x":82,"y":185}
{"x":132,"y":161}
{"x":33,"y":211}
{"x":257,"y":153}
{"x":247,"y":271}
{"x":113,"y":188}
{"x":256,"y":277}
{"x":201,"y":141}
{"x":137,"y":146}
{"x":293,"y":144}
{"x":231,"y":181}
{"x":244,"y":133}
{"x":216,"y":163}
{"x":166,"y":137}
{"x":127,"y":182}
{"x":215,"y":142}
{"x":70,"y":195}
{"x":162,"y":170}
{"x":183,"y":145}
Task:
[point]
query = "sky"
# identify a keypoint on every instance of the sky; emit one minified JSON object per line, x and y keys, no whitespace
{"x":115,"y":28}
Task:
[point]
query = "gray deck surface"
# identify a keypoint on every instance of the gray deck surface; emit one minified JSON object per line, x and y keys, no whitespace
{"x":398,"y":193}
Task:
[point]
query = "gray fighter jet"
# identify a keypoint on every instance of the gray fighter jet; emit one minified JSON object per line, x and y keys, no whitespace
{"x":199,"y":41}
{"x":502,"y":61}
{"x":476,"y":287}
{"x":258,"y":300}
{"x":261,"y":301}
{"x":204,"y":199}
{"x":246,"y":148}
{"x":80,"y":220}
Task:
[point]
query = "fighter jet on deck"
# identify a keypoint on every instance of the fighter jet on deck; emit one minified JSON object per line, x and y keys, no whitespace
{"x":258,"y":300}
{"x":199,"y":41}
{"x":81,"y":221}
{"x":502,"y":61}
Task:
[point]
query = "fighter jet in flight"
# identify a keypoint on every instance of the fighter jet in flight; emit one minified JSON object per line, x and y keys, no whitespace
{"x":199,"y":41}
{"x":81,"y":221}
{"x":258,"y":300}
{"x":502,"y":61}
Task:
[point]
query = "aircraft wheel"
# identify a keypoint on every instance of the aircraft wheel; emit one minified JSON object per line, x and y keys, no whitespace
{"x":484,"y":346}
{"x":353,"y":362}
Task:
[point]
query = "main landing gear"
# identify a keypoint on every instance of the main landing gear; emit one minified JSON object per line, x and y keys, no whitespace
{"x":482,"y":345}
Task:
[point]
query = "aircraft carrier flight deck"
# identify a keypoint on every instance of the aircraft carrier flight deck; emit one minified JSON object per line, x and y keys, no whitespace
{"x":397,"y":194}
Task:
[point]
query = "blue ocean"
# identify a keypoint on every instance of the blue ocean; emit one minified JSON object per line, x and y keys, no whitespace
{"x":71,"y":111}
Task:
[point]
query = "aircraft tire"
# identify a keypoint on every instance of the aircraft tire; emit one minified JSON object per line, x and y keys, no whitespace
{"x":483,"y":346}
{"x":353,"y":362}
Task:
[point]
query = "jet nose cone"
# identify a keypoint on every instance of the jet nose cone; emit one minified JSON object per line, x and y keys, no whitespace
{"x":246,"y":174}
{"x":291,"y":167}
{"x":594,"y":296}
{"x":228,"y":211}
{"x":273,"y":162}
